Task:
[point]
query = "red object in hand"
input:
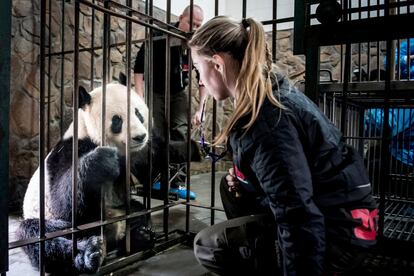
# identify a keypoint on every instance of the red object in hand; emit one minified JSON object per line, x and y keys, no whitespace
{"x":368,"y":229}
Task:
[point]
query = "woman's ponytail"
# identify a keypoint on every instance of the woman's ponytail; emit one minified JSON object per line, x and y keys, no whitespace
{"x":245,"y":41}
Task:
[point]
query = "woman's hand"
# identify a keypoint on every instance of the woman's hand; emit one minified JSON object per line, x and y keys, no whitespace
{"x":232,"y":181}
{"x":196,"y":120}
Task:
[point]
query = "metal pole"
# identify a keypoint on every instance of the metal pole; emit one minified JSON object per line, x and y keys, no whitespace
{"x":62,"y":69}
{"x":127,"y":152}
{"x":49,"y":79}
{"x":190,"y":84}
{"x":386,"y":134}
{"x":75,"y":129}
{"x":299,"y":27}
{"x":312,"y":73}
{"x":149,"y":84}
{"x":165,"y":175}
{"x":274,"y":31}
{"x":42,"y":137}
{"x":344,"y":121}
{"x":106,"y":61}
{"x":92,"y":64}
{"x":213,"y":134}
{"x":5,"y":49}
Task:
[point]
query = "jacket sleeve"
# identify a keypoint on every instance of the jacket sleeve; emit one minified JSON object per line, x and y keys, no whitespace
{"x":282,"y":169}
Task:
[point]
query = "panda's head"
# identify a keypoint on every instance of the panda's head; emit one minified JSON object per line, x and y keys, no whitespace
{"x":115,"y":121}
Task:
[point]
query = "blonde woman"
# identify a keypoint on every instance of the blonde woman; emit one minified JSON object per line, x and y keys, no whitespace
{"x":294,"y":179}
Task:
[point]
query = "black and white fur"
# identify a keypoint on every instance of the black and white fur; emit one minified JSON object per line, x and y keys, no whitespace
{"x":100,"y":168}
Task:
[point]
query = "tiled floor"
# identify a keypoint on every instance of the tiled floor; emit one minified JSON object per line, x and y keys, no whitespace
{"x":178,"y":260}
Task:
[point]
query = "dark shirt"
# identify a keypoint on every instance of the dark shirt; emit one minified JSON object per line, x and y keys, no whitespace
{"x":179,"y":65}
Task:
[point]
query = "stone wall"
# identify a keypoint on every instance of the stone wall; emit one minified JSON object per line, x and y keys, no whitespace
{"x":25,"y":77}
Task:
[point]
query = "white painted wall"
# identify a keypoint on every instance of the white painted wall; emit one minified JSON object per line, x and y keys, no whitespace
{"x":258,"y":9}
{"x":177,"y":6}
{"x":262,"y":10}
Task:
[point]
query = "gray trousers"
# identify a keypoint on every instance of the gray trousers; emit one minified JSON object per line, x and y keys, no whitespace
{"x":178,"y":115}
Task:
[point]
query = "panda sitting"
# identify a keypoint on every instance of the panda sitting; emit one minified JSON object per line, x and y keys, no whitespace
{"x":100,"y":168}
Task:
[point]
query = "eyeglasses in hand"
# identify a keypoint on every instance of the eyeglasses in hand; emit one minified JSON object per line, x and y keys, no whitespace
{"x":210,"y":150}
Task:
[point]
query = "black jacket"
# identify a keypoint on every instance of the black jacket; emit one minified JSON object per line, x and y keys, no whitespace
{"x":296,"y":161}
{"x":178,"y":64}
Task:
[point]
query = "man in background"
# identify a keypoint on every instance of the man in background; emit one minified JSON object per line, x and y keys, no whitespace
{"x":179,"y":79}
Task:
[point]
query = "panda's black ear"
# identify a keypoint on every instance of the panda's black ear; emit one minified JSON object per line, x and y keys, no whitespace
{"x":84,"y":97}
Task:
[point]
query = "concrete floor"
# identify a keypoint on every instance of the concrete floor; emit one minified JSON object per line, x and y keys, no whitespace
{"x":19,"y":264}
{"x":178,"y":260}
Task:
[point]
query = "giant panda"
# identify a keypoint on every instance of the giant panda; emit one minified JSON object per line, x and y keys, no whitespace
{"x":100,"y":168}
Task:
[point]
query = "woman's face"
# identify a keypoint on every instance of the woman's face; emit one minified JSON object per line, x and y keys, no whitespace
{"x":211,"y":76}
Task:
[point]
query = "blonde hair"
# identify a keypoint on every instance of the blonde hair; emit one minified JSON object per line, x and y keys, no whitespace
{"x":245,"y":41}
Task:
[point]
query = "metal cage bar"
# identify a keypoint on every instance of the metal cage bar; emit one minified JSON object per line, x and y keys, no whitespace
{"x":165,"y":172}
{"x":75,"y":159}
{"x":352,"y":99}
{"x":188,"y":148}
{"x":49,"y":79}
{"x":149,"y":58}
{"x":42,"y":227}
{"x":373,"y":103}
{"x":76,"y":229}
{"x":5,"y":59}
{"x":213,"y":134}
{"x":92,"y":50}
{"x":62,"y":67}
{"x":128,"y":33}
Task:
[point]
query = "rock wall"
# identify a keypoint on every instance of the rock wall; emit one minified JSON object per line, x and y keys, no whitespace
{"x":25,"y":76}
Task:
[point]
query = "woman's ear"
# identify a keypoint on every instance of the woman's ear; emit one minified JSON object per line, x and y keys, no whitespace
{"x":218,"y":63}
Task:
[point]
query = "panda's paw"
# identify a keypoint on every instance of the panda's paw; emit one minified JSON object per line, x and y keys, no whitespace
{"x":94,"y":253}
{"x":91,"y":258}
{"x":105,"y":162}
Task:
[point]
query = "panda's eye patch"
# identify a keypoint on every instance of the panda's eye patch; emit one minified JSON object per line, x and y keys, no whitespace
{"x":116,"y":126}
{"x":139,"y":115}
